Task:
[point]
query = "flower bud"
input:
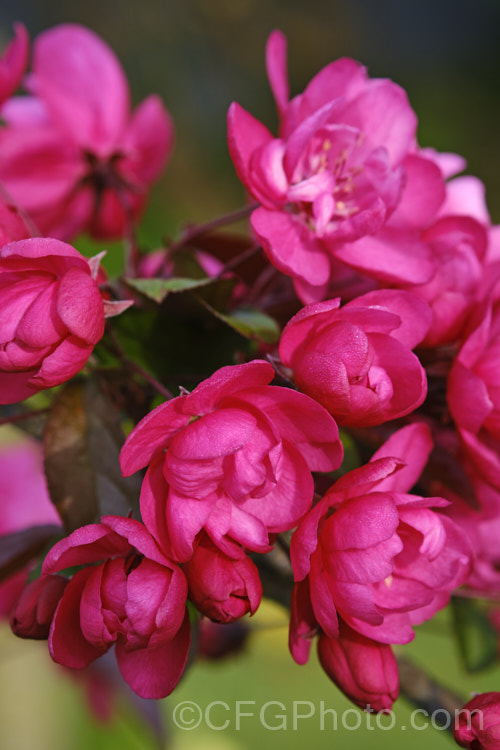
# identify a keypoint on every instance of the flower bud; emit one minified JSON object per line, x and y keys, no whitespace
{"x":477,"y":725}
{"x":223,"y":589}
{"x":365,"y":670}
{"x":32,"y":615}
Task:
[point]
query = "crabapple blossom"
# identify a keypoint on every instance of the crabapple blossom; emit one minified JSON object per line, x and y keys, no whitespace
{"x":73,"y":155}
{"x":344,"y":161}
{"x":222,"y":589}
{"x":34,"y":611}
{"x":478,"y":723}
{"x":356,"y":360}
{"x":366,"y":671}
{"x":51,"y":318}
{"x":382,"y":559}
{"x":473,"y":394}
{"x":134,"y":598}
{"x":234,"y":457}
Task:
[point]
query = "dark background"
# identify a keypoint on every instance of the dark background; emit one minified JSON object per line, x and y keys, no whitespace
{"x":202,"y":54}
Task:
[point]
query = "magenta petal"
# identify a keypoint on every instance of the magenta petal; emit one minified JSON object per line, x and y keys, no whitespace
{"x":13,"y":62}
{"x":423,"y":194}
{"x":66,"y":642}
{"x":79,"y":305}
{"x":276,"y":65}
{"x":321,"y":598}
{"x":226,"y":382}
{"x":291,"y":246}
{"x":85,"y":545}
{"x":40,"y":325}
{"x":414,"y":313}
{"x":185,"y":518}
{"x":152,"y":435}
{"x":283,"y":507}
{"x":83,"y":84}
{"x":154,"y":492}
{"x":245,"y":135}
{"x":389,"y":257}
{"x":413,"y":444}
{"x":214,"y":435}
{"x":383,"y":113}
{"x":154,"y":672}
{"x":303,"y":625}
{"x":301,"y":421}
{"x":14,"y":386}
{"x":42,"y":248}
{"x":62,"y":364}
{"x":149,"y":139}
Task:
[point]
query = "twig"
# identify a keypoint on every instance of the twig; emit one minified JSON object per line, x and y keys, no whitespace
{"x":198,"y":230}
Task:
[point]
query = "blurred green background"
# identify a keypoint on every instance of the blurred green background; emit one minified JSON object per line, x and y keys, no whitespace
{"x":200,"y":55}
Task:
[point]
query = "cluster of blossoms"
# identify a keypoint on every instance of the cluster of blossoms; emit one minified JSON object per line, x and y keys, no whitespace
{"x":395,"y":260}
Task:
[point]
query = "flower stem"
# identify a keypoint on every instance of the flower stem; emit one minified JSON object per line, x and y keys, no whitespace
{"x":199,"y":230}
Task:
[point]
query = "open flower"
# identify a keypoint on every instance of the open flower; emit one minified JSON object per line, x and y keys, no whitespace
{"x":344,"y":160}
{"x":73,"y":156}
{"x":380,"y":558}
{"x":135,"y":599}
{"x":234,"y":457}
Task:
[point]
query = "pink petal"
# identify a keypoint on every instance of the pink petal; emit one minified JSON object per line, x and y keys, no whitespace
{"x":302,"y":422}
{"x":62,"y":364}
{"x":79,"y":305}
{"x":390,"y":257}
{"x":291,"y":246}
{"x":276,"y":66}
{"x":13,"y":62}
{"x":67,"y":644}
{"x":413,"y":444}
{"x":154,"y":673}
{"x":414,"y":312}
{"x":383,"y":113}
{"x":422,"y":196}
{"x":149,"y":140}
{"x":245,"y":135}
{"x":83,"y":84}
{"x":214,"y":435}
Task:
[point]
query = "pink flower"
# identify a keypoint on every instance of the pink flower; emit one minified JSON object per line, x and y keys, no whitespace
{"x":234,"y":457}
{"x":356,"y":360}
{"x":473,"y":393}
{"x":13,"y":62}
{"x":366,"y":671}
{"x":458,"y":245}
{"x":221,"y":588}
{"x":34,"y":611}
{"x":134,"y":599}
{"x":344,"y":161}
{"x":51,"y":318}
{"x":478,"y":723}
{"x":380,"y":558}
{"x":73,"y":155}
{"x":25,"y":503}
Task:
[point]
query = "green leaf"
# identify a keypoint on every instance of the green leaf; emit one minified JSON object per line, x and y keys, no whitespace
{"x":82,"y":442}
{"x":250,"y":323}
{"x":477,"y":638}
{"x":159,"y":289}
